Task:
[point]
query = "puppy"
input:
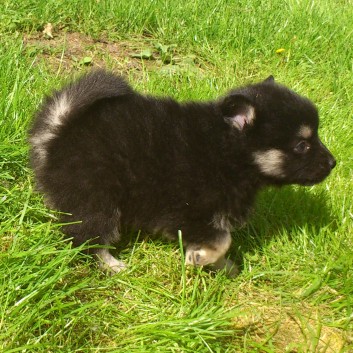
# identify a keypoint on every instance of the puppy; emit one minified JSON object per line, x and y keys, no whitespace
{"x":114,"y":160}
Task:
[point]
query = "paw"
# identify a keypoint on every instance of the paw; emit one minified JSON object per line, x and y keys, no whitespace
{"x":202,"y":257}
{"x":109,"y":263}
{"x":116,"y":267}
{"x":198,"y":257}
{"x":113,"y":266}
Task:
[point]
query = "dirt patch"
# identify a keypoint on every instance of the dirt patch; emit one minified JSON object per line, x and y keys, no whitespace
{"x":66,"y":52}
{"x":290,"y":328}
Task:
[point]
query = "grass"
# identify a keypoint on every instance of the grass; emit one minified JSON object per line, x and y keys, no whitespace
{"x":295,"y":291}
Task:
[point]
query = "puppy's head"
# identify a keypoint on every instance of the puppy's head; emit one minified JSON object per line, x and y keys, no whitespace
{"x":280,"y":133}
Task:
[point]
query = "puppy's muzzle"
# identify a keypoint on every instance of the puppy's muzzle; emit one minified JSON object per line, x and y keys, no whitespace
{"x":330,"y":158}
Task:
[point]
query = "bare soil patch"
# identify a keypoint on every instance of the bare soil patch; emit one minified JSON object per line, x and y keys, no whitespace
{"x":66,"y":52}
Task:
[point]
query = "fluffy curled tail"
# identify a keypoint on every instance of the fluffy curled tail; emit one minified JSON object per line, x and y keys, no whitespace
{"x":66,"y":103}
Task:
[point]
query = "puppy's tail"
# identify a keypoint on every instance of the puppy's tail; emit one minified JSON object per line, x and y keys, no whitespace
{"x":65,"y":104}
{"x":78,"y":95}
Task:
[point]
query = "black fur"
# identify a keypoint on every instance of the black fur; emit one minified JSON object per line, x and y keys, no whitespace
{"x":118,"y":160}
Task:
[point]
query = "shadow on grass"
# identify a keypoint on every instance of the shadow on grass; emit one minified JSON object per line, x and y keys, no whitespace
{"x":282,"y":211}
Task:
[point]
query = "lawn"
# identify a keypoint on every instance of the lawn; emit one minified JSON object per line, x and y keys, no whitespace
{"x":295,"y":289}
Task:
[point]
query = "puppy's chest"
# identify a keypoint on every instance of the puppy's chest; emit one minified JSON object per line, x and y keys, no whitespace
{"x":237,"y":203}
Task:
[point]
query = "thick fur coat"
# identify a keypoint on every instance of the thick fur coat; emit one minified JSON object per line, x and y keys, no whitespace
{"x":116,"y":160}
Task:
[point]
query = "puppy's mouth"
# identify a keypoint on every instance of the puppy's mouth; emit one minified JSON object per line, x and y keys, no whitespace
{"x":313,"y":173}
{"x":310,"y":181}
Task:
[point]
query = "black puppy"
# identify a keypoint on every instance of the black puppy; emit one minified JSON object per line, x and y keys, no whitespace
{"x":117,"y":160}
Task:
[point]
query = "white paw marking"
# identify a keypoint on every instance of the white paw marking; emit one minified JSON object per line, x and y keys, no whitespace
{"x":108,"y":262}
{"x":201,"y":257}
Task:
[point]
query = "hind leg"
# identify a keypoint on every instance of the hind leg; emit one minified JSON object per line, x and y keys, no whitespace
{"x":212,"y":253}
{"x":108,"y":228}
{"x":230,"y":268}
{"x":107,"y":262}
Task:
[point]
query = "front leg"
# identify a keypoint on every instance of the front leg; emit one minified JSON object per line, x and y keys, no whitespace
{"x":212,"y":253}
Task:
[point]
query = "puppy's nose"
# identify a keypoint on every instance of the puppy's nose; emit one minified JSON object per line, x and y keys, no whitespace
{"x":332,"y":162}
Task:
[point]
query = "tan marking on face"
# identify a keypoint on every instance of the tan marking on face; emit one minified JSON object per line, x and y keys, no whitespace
{"x":305,"y":132}
{"x":270,"y":162}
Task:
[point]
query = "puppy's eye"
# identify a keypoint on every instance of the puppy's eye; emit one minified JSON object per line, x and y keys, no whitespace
{"x":302,"y":147}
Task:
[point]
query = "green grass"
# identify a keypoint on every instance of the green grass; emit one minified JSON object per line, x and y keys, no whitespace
{"x":295,"y":291}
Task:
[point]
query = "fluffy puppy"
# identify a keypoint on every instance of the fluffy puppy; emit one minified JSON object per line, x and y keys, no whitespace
{"x":116,"y":160}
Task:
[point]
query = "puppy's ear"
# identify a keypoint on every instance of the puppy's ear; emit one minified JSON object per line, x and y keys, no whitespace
{"x":270,"y":79}
{"x":238,"y":111}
